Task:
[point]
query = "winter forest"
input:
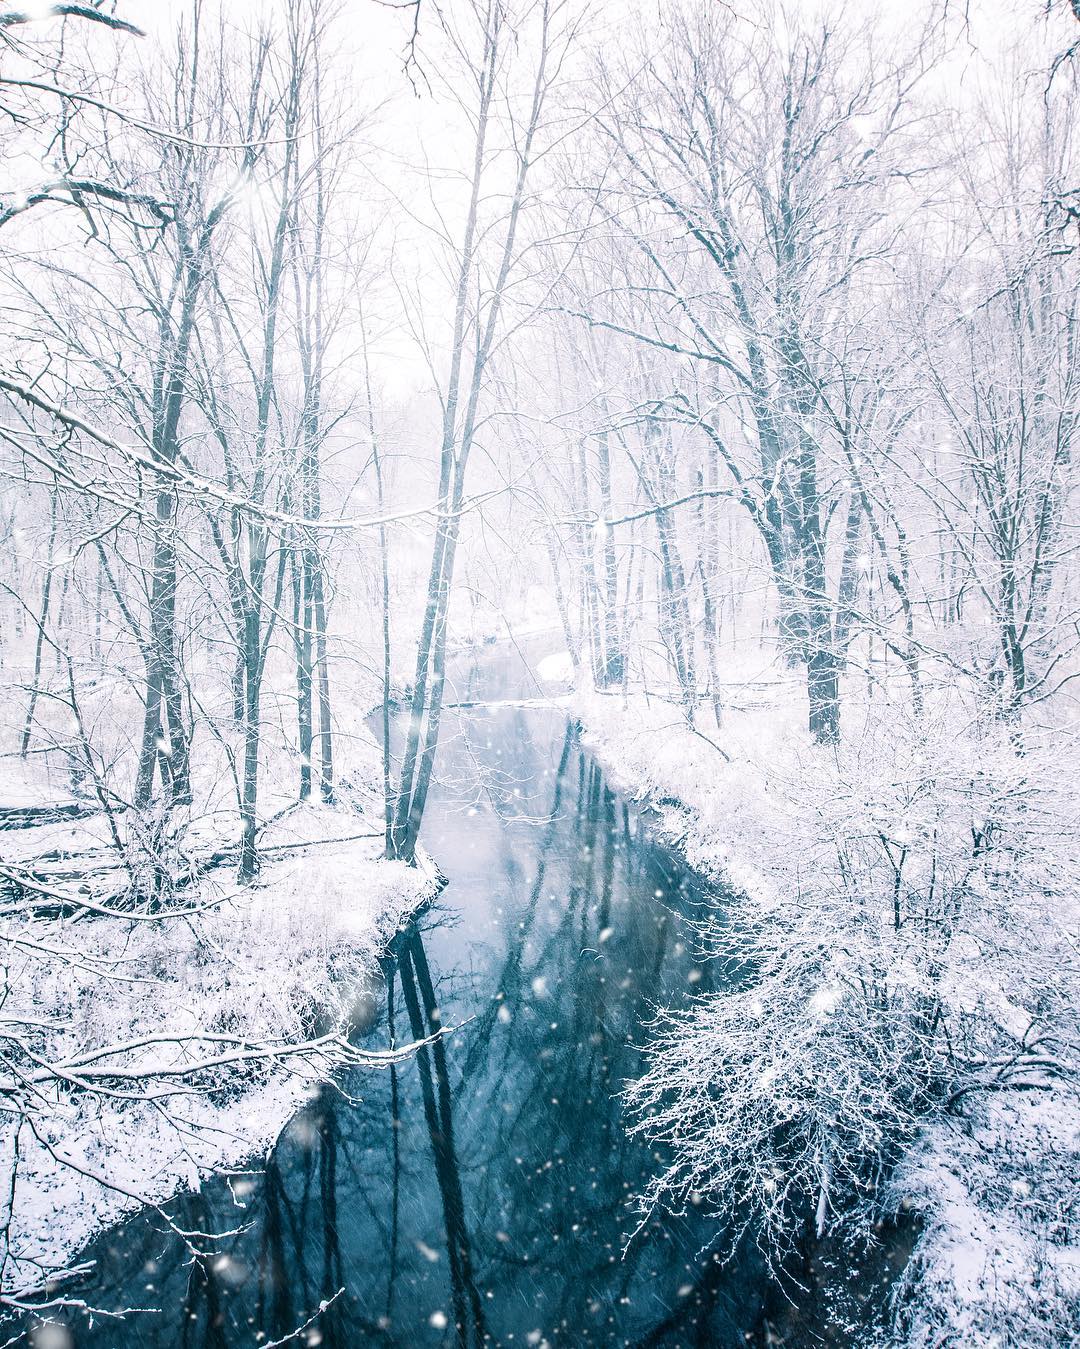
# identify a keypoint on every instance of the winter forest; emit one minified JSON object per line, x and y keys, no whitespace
{"x":539,"y":640}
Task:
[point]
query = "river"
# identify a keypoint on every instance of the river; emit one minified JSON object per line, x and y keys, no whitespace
{"x":481,"y":1193}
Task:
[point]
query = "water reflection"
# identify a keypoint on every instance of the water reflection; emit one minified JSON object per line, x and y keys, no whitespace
{"x":477,"y":1194}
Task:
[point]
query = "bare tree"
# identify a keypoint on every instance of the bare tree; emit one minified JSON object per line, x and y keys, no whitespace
{"x":478,"y":324}
{"x":770,"y":162}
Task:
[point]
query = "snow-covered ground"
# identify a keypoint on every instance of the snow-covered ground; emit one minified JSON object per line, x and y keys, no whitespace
{"x":998,"y":1262}
{"x":238,"y":978}
{"x":757,"y":804}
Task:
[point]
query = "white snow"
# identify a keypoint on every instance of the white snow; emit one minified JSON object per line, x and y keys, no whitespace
{"x":797,"y":830}
{"x":282,"y":960}
{"x":557,"y":668}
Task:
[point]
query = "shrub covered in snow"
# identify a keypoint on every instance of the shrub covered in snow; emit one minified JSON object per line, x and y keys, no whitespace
{"x":903,"y":981}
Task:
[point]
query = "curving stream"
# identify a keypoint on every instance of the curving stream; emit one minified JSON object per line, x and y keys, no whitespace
{"x":478,"y":1194}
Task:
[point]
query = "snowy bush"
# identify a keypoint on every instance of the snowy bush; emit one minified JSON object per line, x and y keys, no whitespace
{"x":899,"y":956}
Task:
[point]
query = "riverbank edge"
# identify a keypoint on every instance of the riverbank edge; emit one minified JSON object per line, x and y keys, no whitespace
{"x":63,"y":1202}
{"x":940,"y":1295}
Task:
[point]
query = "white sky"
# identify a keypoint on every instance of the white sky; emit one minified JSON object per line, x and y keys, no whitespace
{"x":416,"y":125}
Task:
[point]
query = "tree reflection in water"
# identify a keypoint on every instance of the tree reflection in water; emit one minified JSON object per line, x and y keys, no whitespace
{"x":478,"y":1193}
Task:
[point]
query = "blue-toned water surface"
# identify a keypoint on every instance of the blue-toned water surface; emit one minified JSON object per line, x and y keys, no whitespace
{"x":481,"y":1192}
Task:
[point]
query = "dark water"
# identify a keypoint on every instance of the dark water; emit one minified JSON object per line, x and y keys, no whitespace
{"x":479,"y":1194}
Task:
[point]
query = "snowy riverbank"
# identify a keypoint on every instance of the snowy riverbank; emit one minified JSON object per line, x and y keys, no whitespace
{"x":992,"y":1172}
{"x":188,"y":1039}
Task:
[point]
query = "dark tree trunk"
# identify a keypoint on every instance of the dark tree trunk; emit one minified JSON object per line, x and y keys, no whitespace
{"x":614,"y":663}
{"x":46,"y":591}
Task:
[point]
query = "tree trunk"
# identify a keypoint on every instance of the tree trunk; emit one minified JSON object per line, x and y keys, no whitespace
{"x":301,"y":624}
{"x":613,"y":664}
{"x":46,"y":590}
